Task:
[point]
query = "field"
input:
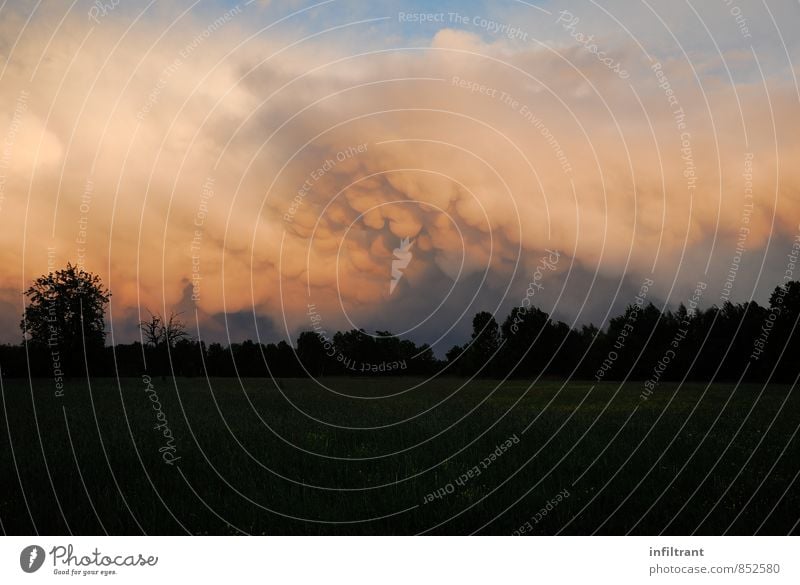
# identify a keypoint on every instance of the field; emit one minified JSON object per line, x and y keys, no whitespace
{"x":396,"y":456}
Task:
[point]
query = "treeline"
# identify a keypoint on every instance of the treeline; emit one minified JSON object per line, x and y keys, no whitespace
{"x":729,"y":342}
{"x":732,"y":342}
{"x":187,"y":357}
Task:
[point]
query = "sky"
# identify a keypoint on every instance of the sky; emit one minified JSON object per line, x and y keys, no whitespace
{"x":266,"y":167}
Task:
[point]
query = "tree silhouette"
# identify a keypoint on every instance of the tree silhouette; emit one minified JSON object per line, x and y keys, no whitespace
{"x":152,"y":330}
{"x":65,"y":310}
{"x":311,"y":352}
{"x":784,"y":308}
{"x":174,"y":330}
{"x":482,"y":346}
{"x":65,"y":313}
{"x":163,"y":335}
{"x":158,"y":331}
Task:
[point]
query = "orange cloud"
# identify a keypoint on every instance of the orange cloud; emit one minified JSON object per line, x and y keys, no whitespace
{"x":259,"y":172}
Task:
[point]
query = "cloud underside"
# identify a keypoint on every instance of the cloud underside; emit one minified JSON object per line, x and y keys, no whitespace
{"x":274,"y":177}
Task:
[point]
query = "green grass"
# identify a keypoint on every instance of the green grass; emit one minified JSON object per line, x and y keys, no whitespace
{"x":254,"y":460}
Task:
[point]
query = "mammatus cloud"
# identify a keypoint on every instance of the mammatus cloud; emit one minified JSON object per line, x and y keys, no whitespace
{"x":198,"y":159}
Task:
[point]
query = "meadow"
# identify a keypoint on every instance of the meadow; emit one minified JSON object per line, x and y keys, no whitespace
{"x":396,"y":456}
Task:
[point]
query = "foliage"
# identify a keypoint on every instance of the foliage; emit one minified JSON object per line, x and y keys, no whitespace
{"x":65,"y":314}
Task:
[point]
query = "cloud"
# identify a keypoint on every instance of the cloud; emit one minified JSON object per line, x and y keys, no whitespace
{"x":272,"y":176}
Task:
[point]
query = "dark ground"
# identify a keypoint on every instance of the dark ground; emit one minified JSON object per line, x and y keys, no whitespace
{"x":689,"y":459}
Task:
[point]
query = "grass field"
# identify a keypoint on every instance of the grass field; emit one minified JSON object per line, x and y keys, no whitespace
{"x":366,"y":456}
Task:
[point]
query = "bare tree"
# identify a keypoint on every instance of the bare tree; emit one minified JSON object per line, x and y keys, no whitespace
{"x":174,"y":330}
{"x":152,"y":329}
{"x":158,"y":331}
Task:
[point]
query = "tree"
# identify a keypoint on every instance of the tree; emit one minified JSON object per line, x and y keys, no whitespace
{"x":174,"y":330}
{"x":66,"y":314}
{"x":537,"y":345}
{"x":311,"y":352}
{"x":485,"y":335}
{"x":453,"y":354}
{"x":152,"y":330}
{"x":162,"y":337}
{"x":158,"y":331}
{"x":482,"y":347}
{"x":784,"y":338}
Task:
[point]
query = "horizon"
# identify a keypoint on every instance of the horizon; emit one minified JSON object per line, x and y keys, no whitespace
{"x":692,"y":305}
